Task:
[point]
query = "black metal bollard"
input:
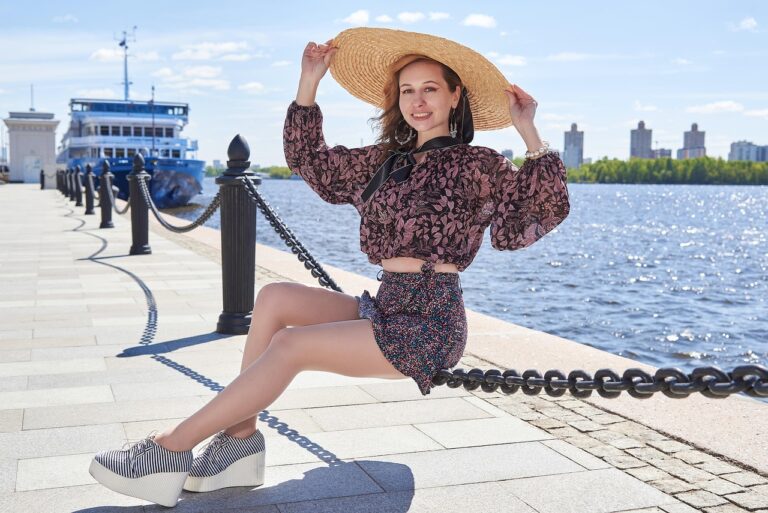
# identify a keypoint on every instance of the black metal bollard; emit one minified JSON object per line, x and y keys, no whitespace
{"x":58,"y":180}
{"x":42,"y":179}
{"x":238,"y":241}
{"x":78,"y":180}
{"x":105,"y":199}
{"x":64,"y":184}
{"x":71,"y":184}
{"x":139,"y":209}
{"x":88,"y":190}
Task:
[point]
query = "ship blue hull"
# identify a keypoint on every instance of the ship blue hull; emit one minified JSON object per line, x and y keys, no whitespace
{"x":174,"y":181}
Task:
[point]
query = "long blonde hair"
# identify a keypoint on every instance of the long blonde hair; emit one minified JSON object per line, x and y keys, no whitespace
{"x":391,"y":118}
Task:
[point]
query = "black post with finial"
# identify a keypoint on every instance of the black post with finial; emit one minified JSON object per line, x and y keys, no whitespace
{"x":71,"y":184}
{"x":139,"y":209}
{"x":238,"y":240}
{"x":58,"y":180}
{"x":42,"y":179}
{"x":105,"y":198}
{"x":88,"y":190}
{"x":78,"y":181}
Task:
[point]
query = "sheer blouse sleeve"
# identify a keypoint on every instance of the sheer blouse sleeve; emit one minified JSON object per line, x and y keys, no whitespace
{"x":338,"y":174}
{"x":529,"y":202}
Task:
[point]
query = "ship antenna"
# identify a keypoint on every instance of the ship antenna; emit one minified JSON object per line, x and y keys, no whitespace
{"x":124,"y":43}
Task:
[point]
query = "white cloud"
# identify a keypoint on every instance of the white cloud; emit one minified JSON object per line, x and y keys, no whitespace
{"x":67,"y":18}
{"x":492,"y":54}
{"x":680,"y":61}
{"x":438,"y":16}
{"x":360,"y":17}
{"x":237,"y":57}
{"x":116,"y":55}
{"x":253,"y":88}
{"x":163,"y":73}
{"x":479,"y":20}
{"x":280,"y":64}
{"x":512,"y":60}
{"x":711,"y":108}
{"x":97,"y":93}
{"x":645,"y":108}
{"x":3,"y":91}
{"x":757,"y":113}
{"x":383,"y":18}
{"x":410,"y":17}
{"x":202,"y":72}
{"x":747,"y":24}
{"x":208,"y":50}
{"x":553,"y":117}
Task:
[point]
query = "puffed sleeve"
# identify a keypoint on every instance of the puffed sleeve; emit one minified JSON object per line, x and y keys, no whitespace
{"x":529,"y":202}
{"x":338,"y":174}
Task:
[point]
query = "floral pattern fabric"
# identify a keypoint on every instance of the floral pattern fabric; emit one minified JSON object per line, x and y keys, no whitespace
{"x":440,"y":213}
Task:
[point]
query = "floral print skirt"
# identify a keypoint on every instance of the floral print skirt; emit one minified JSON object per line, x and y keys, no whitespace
{"x":419,"y":321}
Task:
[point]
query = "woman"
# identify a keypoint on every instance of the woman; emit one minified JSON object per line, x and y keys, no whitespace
{"x":425,"y":197}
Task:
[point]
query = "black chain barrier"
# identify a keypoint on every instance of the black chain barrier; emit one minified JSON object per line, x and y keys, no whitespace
{"x":114,"y":203}
{"x":207,"y":213}
{"x":297,"y":248}
{"x":711,"y":381}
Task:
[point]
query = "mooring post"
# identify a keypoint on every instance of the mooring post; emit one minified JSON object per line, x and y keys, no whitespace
{"x":88,"y":190}
{"x":139,"y":209}
{"x":105,"y":199}
{"x":78,"y":180}
{"x":71,"y":184}
{"x":238,"y":240}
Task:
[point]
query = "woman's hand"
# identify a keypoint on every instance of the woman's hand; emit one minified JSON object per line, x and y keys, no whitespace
{"x":522,"y":106}
{"x":316,"y":59}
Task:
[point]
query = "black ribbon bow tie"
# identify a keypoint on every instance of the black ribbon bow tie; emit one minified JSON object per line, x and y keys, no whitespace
{"x":401,"y":173}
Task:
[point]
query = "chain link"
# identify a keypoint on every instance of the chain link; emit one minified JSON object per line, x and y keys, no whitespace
{"x":114,"y":204}
{"x":297,"y":248}
{"x":207,"y":213}
{"x":710,"y":381}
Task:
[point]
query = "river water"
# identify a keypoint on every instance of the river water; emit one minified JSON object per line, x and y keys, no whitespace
{"x":669,"y":275}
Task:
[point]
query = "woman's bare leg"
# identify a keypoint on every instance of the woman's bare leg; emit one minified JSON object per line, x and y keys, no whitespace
{"x":345,"y":347}
{"x":283,"y":304}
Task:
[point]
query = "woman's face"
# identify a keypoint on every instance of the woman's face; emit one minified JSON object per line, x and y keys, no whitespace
{"x":426,"y":100}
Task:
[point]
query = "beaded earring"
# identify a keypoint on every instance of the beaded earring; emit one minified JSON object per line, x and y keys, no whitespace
{"x":452,"y":123}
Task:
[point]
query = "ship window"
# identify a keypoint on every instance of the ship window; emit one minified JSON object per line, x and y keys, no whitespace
{"x":103,"y":130}
{"x":108,"y":153}
{"x":176,"y":154}
{"x":120,"y":153}
{"x":158,"y":131}
{"x":127,"y":131}
{"x":115,"y":130}
{"x":137,"y":131}
{"x":169,"y":132}
{"x":164,"y":153}
{"x":131,"y":152}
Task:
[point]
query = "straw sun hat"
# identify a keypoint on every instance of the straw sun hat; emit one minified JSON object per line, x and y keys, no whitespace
{"x":362,"y":63}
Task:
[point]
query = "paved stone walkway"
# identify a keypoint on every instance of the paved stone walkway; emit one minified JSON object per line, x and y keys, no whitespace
{"x":97,"y":347}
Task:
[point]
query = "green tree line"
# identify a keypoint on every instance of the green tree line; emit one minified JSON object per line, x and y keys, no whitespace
{"x":702,"y":170}
{"x":272,"y":171}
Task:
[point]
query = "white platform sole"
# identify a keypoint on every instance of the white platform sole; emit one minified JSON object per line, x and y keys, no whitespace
{"x":248,"y":471}
{"x":162,"y":488}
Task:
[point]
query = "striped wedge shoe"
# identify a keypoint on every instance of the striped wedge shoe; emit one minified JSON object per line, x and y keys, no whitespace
{"x":145,"y":470}
{"x":228,"y":461}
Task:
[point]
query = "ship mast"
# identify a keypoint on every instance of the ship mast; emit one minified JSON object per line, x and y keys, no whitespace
{"x":124,"y":43}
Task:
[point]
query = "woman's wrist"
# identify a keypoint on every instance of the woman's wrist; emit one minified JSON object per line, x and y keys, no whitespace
{"x":307,"y":91}
{"x":530,"y":136}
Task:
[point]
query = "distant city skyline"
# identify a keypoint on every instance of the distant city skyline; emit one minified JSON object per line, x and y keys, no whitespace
{"x":238,"y":66}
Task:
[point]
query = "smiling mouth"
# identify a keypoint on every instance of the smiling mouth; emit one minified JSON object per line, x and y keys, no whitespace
{"x":421,"y":116}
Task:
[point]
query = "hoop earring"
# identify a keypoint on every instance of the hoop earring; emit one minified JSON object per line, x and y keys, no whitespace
{"x":411,"y":134}
{"x":452,"y":123}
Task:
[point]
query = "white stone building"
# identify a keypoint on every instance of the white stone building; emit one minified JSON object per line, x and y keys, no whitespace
{"x":32,"y":145}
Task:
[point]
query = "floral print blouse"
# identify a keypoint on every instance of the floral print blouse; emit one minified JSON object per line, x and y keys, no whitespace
{"x":440,"y":212}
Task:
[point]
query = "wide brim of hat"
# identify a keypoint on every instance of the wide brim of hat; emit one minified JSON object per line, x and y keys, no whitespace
{"x":362,"y":64}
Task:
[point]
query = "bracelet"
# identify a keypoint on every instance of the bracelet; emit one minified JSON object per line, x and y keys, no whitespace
{"x":538,"y":153}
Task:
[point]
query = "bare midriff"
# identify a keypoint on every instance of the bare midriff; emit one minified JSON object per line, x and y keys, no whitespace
{"x":413,"y":265}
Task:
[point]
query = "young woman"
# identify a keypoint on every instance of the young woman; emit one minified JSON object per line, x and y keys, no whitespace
{"x":425,"y":197}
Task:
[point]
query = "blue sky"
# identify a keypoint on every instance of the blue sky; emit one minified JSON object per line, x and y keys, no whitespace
{"x":604,"y":65}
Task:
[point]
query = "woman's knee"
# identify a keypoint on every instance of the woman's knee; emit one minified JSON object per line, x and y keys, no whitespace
{"x":271,"y":295}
